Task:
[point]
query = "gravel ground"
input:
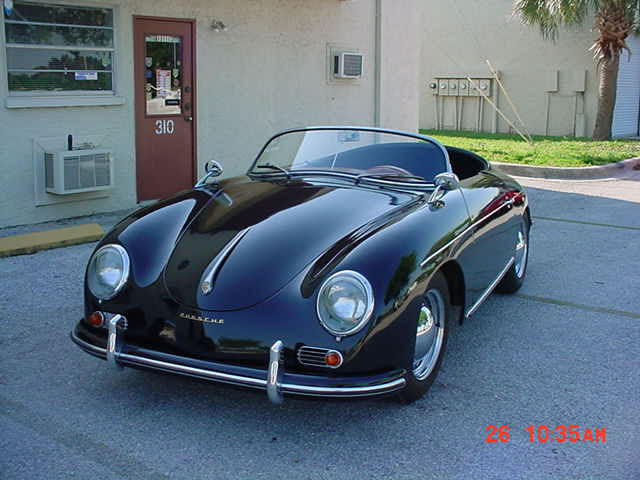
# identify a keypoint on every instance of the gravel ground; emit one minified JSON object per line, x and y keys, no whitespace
{"x":563,"y":351}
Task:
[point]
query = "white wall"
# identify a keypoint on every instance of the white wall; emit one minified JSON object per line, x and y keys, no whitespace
{"x":268,"y":71}
{"x":400,"y":62}
{"x":457,"y":38}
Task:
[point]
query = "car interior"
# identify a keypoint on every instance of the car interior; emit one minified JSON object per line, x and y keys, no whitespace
{"x":420,"y":158}
{"x":464,"y":163}
{"x":413,"y":158}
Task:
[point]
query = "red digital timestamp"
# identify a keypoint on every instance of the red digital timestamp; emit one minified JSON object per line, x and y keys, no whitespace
{"x":544,"y":434}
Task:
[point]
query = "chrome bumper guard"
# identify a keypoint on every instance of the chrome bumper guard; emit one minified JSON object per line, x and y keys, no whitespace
{"x":273,"y":384}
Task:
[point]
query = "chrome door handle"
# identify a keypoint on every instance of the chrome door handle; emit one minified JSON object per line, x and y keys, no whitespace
{"x":188,"y":118}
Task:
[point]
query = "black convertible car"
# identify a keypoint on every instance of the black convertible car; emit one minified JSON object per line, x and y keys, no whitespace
{"x":333,"y":268}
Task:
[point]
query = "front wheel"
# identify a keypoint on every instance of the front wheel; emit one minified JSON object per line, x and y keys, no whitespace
{"x":430,"y":340}
{"x":514,"y":278}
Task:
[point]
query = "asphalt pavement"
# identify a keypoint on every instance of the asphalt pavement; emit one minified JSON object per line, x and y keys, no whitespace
{"x":565,"y":350}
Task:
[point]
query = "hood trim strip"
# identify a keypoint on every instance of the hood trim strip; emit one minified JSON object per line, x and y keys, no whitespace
{"x":206,"y":284}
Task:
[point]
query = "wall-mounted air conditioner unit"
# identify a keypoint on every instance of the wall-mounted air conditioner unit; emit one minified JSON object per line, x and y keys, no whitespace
{"x":77,"y":171}
{"x":348,"y":65}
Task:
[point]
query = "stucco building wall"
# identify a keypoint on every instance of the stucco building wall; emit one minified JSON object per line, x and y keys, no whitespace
{"x":457,"y":38}
{"x":267,"y":71}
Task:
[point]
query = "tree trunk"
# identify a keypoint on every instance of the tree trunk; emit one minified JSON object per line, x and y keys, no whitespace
{"x":608,"y":73}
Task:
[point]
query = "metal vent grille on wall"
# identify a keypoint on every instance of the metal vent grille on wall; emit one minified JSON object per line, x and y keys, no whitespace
{"x":352,"y":65}
{"x":78,"y":171}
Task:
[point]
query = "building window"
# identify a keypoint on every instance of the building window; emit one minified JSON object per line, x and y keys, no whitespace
{"x":59,"y":49}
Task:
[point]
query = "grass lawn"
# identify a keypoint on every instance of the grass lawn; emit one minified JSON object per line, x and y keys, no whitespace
{"x":555,"y":151}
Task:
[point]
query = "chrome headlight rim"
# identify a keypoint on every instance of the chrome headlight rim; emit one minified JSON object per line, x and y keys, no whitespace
{"x":368,"y":290}
{"x":126,"y":265}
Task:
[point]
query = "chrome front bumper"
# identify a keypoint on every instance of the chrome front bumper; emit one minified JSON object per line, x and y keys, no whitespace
{"x":272,"y":382}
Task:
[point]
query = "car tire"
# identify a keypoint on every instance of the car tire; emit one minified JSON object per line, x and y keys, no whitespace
{"x":514,"y":278}
{"x":423,"y":371}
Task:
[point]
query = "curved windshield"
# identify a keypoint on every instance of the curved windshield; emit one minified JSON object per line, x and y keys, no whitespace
{"x":361,"y":153}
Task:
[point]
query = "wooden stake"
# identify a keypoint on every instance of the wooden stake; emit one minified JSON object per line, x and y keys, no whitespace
{"x":504,"y":117}
{"x":506,"y":94}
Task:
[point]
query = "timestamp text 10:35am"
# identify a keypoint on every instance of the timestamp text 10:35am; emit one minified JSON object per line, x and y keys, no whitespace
{"x":544,"y":434}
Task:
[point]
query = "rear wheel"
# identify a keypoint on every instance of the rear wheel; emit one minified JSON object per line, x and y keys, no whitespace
{"x":514,"y":278}
{"x":430,"y":340}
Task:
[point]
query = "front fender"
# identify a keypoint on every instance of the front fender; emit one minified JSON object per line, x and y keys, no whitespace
{"x":398,"y":257}
{"x":390,"y":257}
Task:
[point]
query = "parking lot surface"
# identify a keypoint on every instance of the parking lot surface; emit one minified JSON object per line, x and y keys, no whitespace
{"x":565,"y":350}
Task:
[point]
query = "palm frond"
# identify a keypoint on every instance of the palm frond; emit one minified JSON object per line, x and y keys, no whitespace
{"x":614,"y":20}
{"x":550,"y":15}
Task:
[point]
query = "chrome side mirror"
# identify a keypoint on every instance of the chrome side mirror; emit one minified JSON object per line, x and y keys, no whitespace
{"x":213,"y":169}
{"x":447,"y":180}
{"x":444,"y":182}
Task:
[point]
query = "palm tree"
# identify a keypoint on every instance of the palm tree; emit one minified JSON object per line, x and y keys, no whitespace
{"x":615,"y":20}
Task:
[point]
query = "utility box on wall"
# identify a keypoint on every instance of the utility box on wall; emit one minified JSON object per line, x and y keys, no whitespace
{"x":78,"y":171}
{"x":453,"y":102}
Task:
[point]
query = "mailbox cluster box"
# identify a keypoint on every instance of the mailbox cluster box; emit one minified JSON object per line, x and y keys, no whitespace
{"x":461,"y":87}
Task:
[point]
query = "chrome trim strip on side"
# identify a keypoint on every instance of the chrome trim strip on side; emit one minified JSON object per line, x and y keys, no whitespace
{"x":274,"y":378}
{"x":489,"y":289}
{"x":307,"y":390}
{"x":440,"y":250}
{"x":206,"y":284}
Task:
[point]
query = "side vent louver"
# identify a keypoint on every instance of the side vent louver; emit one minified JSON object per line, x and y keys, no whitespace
{"x":316,"y":357}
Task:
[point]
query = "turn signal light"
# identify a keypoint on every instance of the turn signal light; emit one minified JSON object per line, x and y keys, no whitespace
{"x":333,"y":359}
{"x":96,"y":319}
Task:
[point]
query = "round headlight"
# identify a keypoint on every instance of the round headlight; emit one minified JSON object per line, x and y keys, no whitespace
{"x":345,"y":303}
{"x":108,"y":271}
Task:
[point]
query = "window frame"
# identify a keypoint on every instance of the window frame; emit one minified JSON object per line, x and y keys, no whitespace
{"x":57,"y":98}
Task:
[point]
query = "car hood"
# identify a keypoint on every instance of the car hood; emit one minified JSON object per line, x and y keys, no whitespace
{"x":259,"y":235}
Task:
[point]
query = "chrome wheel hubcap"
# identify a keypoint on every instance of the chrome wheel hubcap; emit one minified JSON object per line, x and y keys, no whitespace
{"x":429,"y":334}
{"x":521,"y":253}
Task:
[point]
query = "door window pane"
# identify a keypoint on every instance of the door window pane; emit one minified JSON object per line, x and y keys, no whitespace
{"x":163,"y":74}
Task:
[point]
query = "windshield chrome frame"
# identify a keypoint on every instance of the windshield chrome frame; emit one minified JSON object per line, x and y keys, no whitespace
{"x":300,"y":173}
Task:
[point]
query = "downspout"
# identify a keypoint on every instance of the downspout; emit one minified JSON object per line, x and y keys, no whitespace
{"x":377,"y":67}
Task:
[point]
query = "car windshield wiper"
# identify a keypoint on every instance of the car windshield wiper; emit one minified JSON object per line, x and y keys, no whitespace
{"x":274,"y":167}
{"x":384,"y":176}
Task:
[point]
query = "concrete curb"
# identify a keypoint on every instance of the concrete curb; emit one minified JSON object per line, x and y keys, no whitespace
{"x":617,"y":169}
{"x":60,"y":237}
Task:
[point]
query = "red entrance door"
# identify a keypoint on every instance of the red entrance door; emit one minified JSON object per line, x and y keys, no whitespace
{"x":164,"y":106}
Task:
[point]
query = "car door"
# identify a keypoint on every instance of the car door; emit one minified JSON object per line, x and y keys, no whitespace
{"x":492,"y":230}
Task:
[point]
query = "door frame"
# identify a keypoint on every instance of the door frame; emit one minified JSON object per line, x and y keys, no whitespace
{"x":194,"y":98}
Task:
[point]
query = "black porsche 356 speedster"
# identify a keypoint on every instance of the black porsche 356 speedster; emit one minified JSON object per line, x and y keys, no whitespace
{"x":334,"y":268}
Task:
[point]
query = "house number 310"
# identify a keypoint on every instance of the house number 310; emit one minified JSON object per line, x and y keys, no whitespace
{"x":165,"y":127}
